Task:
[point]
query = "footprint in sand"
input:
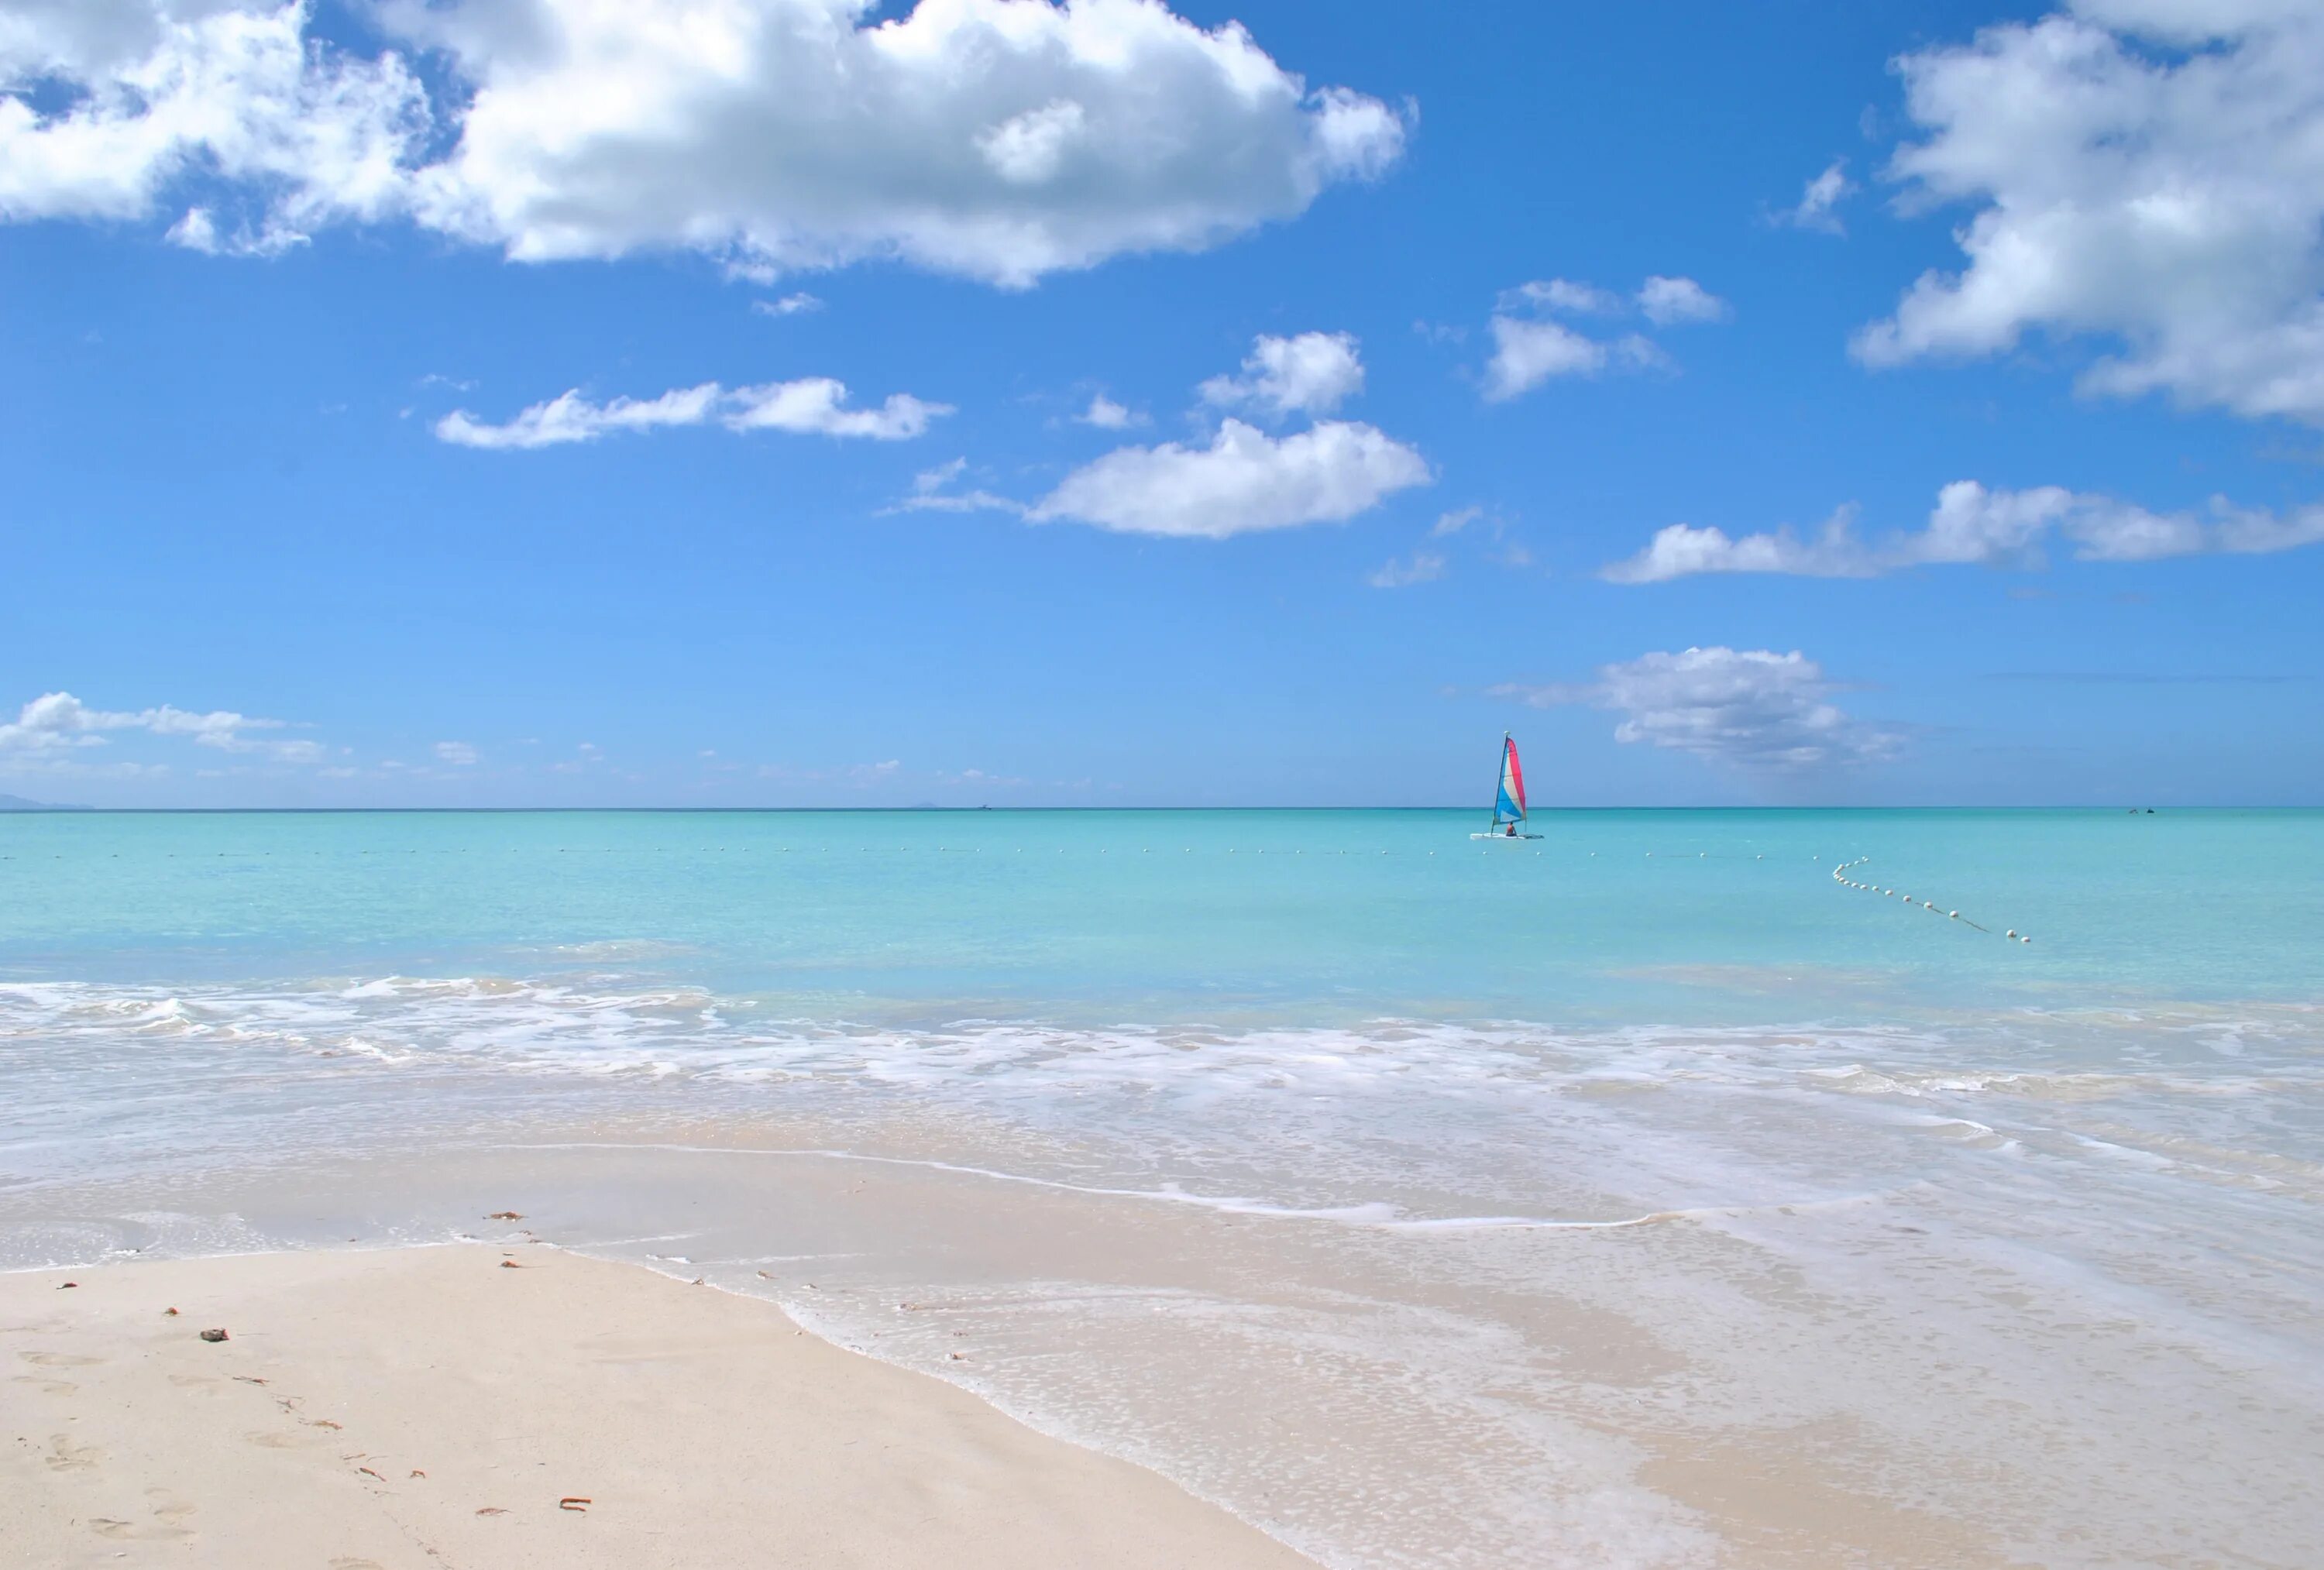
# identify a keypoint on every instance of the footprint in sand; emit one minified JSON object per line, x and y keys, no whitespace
{"x":357,"y":1564}
{"x":132,"y":1531}
{"x":64,"y":1455}
{"x":58,"y":1360}
{"x":192,"y":1380}
{"x":53,"y":1387}
{"x":169,"y":1509}
{"x":280,"y":1441}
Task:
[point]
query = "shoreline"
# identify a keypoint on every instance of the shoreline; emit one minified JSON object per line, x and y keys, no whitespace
{"x":434,"y":1404}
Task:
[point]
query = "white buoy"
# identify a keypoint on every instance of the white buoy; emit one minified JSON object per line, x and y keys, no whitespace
{"x":2010,"y":933}
{"x":1954,"y":915}
{"x":1928,"y":905}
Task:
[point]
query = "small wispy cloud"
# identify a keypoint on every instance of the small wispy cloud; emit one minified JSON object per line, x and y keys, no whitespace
{"x":1422,"y":567}
{"x":810,"y":405}
{"x":1107,"y":415}
{"x":1819,"y":201}
{"x":930,"y":493}
{"x":1670,"y":301}
{"x":790,"y":305}
{"x":1531,"y":345}
{"x":198,"y":231}
{"x":1972,"y":524}
{"x":1562,"y":294}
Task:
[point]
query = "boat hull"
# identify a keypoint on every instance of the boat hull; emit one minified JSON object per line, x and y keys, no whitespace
{"x":1513,"y":837}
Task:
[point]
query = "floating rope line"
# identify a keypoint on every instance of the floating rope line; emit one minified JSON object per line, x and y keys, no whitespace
{"x":1839,"y":876}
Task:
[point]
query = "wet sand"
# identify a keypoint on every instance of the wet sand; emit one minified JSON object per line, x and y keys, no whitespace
{"x":476,"y":1406}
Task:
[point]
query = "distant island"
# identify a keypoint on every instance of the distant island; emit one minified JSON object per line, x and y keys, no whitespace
{"x":19,"y":804}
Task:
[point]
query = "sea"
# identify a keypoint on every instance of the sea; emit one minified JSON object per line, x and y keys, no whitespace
{"x":1677,"y":1188}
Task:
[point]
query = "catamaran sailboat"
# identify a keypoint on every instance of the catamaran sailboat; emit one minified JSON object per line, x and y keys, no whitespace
{"x":1508,"y":799}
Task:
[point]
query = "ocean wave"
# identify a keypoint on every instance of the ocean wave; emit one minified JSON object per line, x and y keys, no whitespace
{"x":497,"y":1023}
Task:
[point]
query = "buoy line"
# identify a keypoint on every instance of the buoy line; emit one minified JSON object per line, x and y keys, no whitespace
{"x":1839,"y":876}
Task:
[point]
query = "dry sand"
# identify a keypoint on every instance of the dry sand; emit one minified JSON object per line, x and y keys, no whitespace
{"x":432,"y":1408}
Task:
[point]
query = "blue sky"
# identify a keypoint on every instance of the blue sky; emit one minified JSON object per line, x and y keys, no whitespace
{"x":1398,"y":443}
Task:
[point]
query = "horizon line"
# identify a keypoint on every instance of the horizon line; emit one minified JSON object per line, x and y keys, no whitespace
{"x":68,"y":810}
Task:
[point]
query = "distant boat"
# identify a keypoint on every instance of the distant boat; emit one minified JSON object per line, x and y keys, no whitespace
{"x":1508,"y":798}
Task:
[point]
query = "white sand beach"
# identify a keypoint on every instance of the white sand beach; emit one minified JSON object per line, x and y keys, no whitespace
{"x":475,"y":1406}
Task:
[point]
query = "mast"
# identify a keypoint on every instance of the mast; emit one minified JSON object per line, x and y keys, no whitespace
{"x":1500,"y":769}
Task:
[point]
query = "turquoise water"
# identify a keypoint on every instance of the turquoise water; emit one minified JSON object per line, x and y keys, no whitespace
{"x":1385,"y":1108}
{"x":1290,"y":916}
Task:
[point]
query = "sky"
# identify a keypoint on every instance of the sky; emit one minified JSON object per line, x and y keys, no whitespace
{"x":824,"y":403}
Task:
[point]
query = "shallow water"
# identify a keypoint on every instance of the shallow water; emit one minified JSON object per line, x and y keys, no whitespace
{"x":1639,"y":1196}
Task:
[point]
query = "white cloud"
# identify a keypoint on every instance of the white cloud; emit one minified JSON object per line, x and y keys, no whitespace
{"x":790,"y":305}
{"x":1315,"y":373}
{"x":1972,"y":524}
{"x":813,"y":405}
{"x":1529,"y":350}
{"x":998,"y":139}
{"x":459,"y":754}
{"x":929,"y":494}
{"x":57,"y":722}
{"x":1108,"y":416}
{"x":1425,"y":567}
{"x":1563,"y":294}
{"x":198,"y":231}
{"x":1681,"y":550}
{"x":1527,"y":354}
{"x":570,"y":417}
{"x":1753,"y":709}
{"x":148,"y":94}
{"x":2146,"y":172}
{"x":1819,"y":203}
{"x":1454,"y":523}
{"x":1245,"y":479}
{"x":1669,"y":301}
